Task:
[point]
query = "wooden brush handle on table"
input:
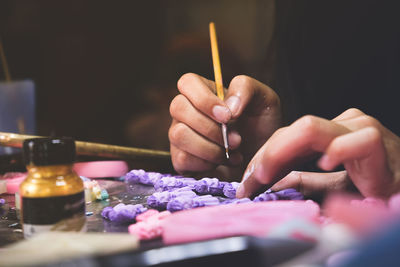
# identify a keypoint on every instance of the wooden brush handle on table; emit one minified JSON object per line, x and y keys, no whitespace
{"x":91,"y":149}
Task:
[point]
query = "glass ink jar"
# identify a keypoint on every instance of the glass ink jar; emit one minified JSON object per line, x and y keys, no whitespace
{"x":52,"y":195}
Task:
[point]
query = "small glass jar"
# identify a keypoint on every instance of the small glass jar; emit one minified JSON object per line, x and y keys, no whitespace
{"x":52,"y":195}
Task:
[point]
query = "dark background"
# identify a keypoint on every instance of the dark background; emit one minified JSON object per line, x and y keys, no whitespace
{"x":106,"y":71}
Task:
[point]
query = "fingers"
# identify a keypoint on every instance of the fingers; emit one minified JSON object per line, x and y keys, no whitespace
{"x":247,"y":93}
{"x":183,"y":138}
{"x":183,"y":111}
{"x":185,"y":162}
{"x":200,"y":92}
{"x":310,"y":182}
{"x":364,"y":157}
{"x":349,"y":114}
{"x":287,"y":147}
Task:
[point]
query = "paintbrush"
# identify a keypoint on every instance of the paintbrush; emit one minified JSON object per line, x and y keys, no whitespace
{"x":218,"y":81}
{"x":91,"y":149}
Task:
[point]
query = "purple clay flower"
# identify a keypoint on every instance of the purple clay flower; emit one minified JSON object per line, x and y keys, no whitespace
{"x":290,"y":194}
{"x":159,"y":200}
{"x":183,"y":193}
{"x":218,"y":190}
{"x":266,"y":197}
{"x":180,"y":203}
{"x":134,"y":176}
{"x":236,"y":200}
{"x":122,"y":213}
{"x":230,"y":189}
{"x":106,"y":211}
{"x":150,"y":178}
{"x":181,"y":189}
{"x":168,"y":183}
{"x":204,"y":201}
{"x":190,"y":182}
{"x":206,"y":185}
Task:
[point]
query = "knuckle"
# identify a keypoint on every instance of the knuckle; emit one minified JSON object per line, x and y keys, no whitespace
{"x":177,"y":133}
{"x":374,"y":135}
{"x":370,"y":121}
{"x":181,"y":160}
{"x":308,"y":123}
{"x":185,"y":80}
{"x":243,"y":81}
{"x":353,"y":112}
{"x":337,"y":148}
{"x":177,"y":105}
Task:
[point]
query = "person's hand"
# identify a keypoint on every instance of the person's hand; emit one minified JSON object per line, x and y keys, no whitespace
{"x":369,"y":152}
{"x":251,"y":108}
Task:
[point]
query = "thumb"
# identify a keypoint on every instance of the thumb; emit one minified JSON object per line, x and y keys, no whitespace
{"x":247,"y":93}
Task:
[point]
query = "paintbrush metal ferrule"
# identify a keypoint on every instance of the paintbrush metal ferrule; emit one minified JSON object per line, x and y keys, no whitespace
{"x":225,"y":138}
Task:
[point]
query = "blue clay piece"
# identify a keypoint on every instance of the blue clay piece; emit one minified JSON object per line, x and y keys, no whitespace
{"x":104,"y":194}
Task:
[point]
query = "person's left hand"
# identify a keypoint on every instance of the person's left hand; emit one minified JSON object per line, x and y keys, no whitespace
{"x":369,"y":152}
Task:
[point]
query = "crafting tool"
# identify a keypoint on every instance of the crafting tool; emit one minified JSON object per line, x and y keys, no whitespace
{"x":91,"y":149}
{"x":218,"y":80}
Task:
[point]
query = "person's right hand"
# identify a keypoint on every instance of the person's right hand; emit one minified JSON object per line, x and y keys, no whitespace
{"x":251,"y":108}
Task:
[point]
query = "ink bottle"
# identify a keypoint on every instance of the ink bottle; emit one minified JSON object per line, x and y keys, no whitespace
{"x":52,"y":195}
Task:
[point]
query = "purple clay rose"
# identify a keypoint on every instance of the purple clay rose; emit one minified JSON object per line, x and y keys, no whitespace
{"x":180,"y":203}
{"x":266,"y":197}
{"x":204,"y":201}
{"x":159,"y":200}
{"x":168,"y":183}
{"x":190,"y":182}
{"x":181,"y":189}
{"x":290,"y":194}
{"x":236,"y":200}
{"x":106,"y":211}
{"x":134,"y":176}
{"x":218,"y":190}
{"x":2,"y":201}
{"x":122,"y":213}
{"x":150,"y":178}
{"x":230,"y":189}
{"x":201,"y":187}
{"x":204,"y":185}
{"x":183,"y":193}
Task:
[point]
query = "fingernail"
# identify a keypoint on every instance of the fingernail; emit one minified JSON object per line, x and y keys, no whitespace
{"x":233,"y":103}
{"x":325,"y":162}
{"x":221,"y":113}
{"x":240,"y":191}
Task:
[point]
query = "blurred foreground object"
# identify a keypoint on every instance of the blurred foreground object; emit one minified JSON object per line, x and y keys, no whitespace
{"x":17,"y":109}
{"x":69,"y":245}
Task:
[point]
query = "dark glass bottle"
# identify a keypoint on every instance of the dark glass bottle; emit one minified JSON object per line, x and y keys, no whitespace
{"x":52,"y":195}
